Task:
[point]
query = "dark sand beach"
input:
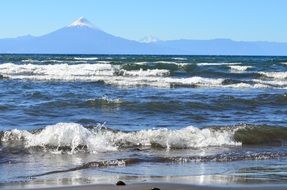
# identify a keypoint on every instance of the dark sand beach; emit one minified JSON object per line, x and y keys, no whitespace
{"x":166,"y":186}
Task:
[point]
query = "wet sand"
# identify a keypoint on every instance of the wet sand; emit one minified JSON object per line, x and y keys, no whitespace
{"x":165,"y":186}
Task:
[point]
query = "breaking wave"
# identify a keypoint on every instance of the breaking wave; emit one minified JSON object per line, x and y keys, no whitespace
{"x":141,"y":72}
{"x":86,"y":58}
{"x":107,"y":73}
{"x":276,"y":75}
{"x":128,"y":75}
{"x":216,"y":64}
{"x":237,"y":68}
{"x":74,"y":137}
{"x":57,"y":70}
{"x":179,"y":58}
{"x":165,"y":64}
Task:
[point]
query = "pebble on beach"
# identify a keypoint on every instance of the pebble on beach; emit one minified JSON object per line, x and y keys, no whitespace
{"x":120,"y":183}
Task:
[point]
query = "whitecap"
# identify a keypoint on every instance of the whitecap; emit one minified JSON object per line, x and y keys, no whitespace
{"x":276,"y":75}
{"x":237,"y":68}
{"x":107,"y":73}
{"x":99,"y":139}
{"x":86,"y":58}
{"x":161,"y":62}
{"x":216,"y":64}
{"x":179,"y":58}
{"x":279,"y":83}
{"x":61,"y":135}
{"x":149,"y":72}
{"x":58,"y":70}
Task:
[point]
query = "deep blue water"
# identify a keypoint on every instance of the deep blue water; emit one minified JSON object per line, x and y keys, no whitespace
{"x":135,"y":113}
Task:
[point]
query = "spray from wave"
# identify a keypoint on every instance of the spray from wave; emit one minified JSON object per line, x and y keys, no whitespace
{"x":74,"y":137}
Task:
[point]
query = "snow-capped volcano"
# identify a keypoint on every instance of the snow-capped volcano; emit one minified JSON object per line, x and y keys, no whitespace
{"x":149,"y":39}
{"x":82,"y":37}
{"x":81,"y":22}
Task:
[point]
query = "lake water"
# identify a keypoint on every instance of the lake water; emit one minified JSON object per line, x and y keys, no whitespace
{"x":80,"y":119}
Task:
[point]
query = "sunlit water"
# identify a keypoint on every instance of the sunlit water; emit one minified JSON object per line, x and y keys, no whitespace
{"x":96,"y":119}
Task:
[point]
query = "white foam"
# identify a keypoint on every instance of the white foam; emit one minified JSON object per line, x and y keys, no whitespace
{"x":149,"y":72}
{"x":216,"y":64}
{"x":172,"y":63}
{"x":51,"y":61}
{"x":62,"y":135}
{"x":161,"y":62}
{"x":97,"y":140}
{"x":246,"y":85}
{"x":237,"y":68}
{"x":142,"y":63}
{"x":164,"y":82}
{"x":103,"y":62}
{"x":189,"y":137}
{"x":114,"y":75}
{"x":276,"y":75}
{"x":166,"y":62}
{"x":86,"y":58}
{"x":29,"y":61}
{"x":279,"y":83}
{"x":107,"y":73}
{"x":179,"y":58}
{"x":200,"y":81}
{"x":58,"y":70}
{"x":240,"y":85}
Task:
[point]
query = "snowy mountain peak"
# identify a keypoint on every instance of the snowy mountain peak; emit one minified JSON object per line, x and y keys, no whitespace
{"x":81,"y":22}
{"x":149,"y":39}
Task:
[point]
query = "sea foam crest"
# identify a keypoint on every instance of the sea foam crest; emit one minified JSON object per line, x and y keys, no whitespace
{"x":275,"y":83}
{"x":107,"y":73}
{"x":115,"y":75}
{"x":70,"y":135}
{"x":199,"y":81}
{"x":189,"y":137}
{"x":149,"y":72}
{"x":216,"y":64}
{"x":86,"y":58}
{"x":238,"y":68}
{"x":179,"y":58}
{"x":162,"y":62}
{"x":276,"y":75}
{"x":95,"y":140}
{"x":58,"y":70}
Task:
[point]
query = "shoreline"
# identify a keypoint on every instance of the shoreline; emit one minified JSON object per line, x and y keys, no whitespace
{"x":161,"y":186}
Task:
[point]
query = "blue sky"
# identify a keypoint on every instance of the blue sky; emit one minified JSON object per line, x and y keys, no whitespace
{"x":263,"y":20}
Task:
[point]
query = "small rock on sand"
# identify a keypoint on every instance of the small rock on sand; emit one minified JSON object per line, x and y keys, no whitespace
{"x":120,"y":183}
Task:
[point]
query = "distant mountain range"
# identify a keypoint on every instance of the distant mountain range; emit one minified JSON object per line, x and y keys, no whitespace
{"x":81,"y":37}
